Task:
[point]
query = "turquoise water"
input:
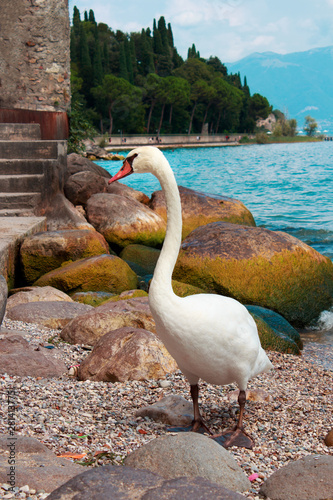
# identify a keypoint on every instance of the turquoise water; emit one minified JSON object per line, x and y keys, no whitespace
{"x":287,"y":187}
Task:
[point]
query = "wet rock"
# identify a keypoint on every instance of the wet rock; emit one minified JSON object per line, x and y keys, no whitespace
{"x":125,"y":483}
{"x":80,"y":186}
{"x":90,"y":327}
{"x":43,"y":252}
{"x":258,"y":266}
{"x":124,"y":221}
{"x":77,"y":163}
{"x":36,"y":294}
{"x":127,"y":354}
{"x":171,"y":410}
{"x":128,"y":192}
{"x":102,"y":273}
{"x":310,"y":478}
{"x":3,"y":297}
{"x":190,"y":455}
{"x":35,"y":465}
{"x":54,"y":314}
{"x":18,"y":358}
{"x":199,"y":209}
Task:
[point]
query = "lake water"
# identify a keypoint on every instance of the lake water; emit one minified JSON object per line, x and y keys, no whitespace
{"x":287,"y":187}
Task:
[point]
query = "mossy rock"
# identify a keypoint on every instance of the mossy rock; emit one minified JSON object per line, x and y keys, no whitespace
{"x":199,"y":209}
{"x":43,"y":252}
{"x":275,"y":333}
{"x":140,"y":258}
{"x":184,"y":289}
{"x":130,"y":294}
{"x":258,"y":266}
{"x":94,"y":299}
{"x":104,"y":273}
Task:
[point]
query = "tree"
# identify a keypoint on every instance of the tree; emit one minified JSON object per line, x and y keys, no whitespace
{"x":310,"y":126}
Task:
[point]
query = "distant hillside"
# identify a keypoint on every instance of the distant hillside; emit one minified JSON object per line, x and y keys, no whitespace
{"x":299,"y":84}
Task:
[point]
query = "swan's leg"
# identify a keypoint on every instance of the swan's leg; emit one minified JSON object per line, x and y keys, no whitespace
{"x":198,"y":424}
{"x":236,"y":437}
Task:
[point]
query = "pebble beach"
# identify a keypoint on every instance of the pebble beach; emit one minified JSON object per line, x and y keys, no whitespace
{"x":95,"y":423}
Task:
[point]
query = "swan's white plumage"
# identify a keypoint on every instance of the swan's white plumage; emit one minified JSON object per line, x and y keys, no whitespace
{"x":210,"y":336}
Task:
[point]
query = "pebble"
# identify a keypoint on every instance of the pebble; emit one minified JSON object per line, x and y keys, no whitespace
{"x":97,"y":419}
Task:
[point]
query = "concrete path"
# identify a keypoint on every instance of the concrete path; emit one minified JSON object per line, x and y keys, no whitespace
{"x":13,"y":230}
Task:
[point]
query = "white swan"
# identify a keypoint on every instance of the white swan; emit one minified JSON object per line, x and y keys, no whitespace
{"x":211,"y":337}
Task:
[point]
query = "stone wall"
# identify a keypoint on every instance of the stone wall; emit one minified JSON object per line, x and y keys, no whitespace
{"x":34,"y":55}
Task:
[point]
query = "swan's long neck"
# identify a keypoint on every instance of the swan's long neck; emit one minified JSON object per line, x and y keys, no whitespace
{"x":169,"y":253}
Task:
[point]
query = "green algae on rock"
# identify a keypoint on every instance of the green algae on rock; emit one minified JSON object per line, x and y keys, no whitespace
{"x":43,"y":252}
{"x":102,"y":273}
{"x":260,"y":267}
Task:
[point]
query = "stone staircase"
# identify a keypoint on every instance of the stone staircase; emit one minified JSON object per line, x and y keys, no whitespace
{"x":28,"y":169}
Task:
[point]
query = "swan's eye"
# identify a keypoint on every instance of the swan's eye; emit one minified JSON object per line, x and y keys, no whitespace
{"x":131,"y":158}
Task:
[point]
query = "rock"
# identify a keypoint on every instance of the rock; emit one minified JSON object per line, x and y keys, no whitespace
{"x":43,"y":252}
{"x":18,"y":358}
{"x":92,"y":298}
{"x":258,"y":266}
{"x":199,"y":209}
{"x":127,"y":354}
{"x":61,"y":214}
{"x":102,"y":273}
{"x":3,"y":297}
{"x":275,"y":333}
{"x":171,"y":410}
{"x":125,"y":483}
{"x":189,"y":454}
{"x":35,"y":465}
{"x":184,"y":289}
{"x":329,"y":438}
{"x":53,"y":315}
{"x":36,"y":294}
{"x":128,"y":192}
{"x":124,"y":221}
{"x":129,"y":294}
{"x":140,"y":258}
{"x":310,"y":478}
{"x":80,"y":186}
{"x":77,"y":163}
{"x":87,"y":329}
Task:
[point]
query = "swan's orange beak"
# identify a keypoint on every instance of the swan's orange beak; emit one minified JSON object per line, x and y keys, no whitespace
{"x":125,"y":170}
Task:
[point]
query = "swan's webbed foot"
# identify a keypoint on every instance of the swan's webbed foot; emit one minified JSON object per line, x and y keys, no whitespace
{"x":196,"y":426}
{"x":236,"y":437}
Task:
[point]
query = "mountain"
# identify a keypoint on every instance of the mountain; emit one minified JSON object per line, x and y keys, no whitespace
{"x":298,"y":84}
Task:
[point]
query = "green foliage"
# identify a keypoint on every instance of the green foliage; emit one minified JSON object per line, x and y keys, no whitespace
{"x":80,"y":128}
{"x":138,"y":82}
{"x":261,"y":138}
{"x":310,"y":126}
{"x":285,"y":128}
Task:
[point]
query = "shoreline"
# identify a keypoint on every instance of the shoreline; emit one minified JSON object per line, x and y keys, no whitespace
{"x":290,"y":422}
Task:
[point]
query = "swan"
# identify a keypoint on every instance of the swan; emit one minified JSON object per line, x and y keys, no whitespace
{"x":211,"y":337}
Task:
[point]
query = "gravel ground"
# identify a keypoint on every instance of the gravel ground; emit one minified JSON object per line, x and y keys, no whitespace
{"x":96,"y":420}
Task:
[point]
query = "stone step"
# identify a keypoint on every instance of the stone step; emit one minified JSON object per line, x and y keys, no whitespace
{"x":21,"y":183}
{"x":28,"y":150}
{"x":19,"y":200}
{"x":21,"y":167}
{"x":20,"y":131}
{"x":16,"y":212}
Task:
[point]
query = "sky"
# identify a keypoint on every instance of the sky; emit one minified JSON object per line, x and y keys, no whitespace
{"x":228,"y":29}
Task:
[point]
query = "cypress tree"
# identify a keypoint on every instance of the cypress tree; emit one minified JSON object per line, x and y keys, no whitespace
{"x":85,"y":16}
{"x":123,"y":73}
{"x":129,"y":64}
{"x":92,"y":16}
{"x":170,"y":36}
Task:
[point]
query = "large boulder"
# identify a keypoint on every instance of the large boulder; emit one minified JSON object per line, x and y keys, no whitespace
{"x":80,"y":186}
{"x":127,"y":191}
{"x":124,"y":483}
{"x":310,"y":478}
{"x":50,"y":314}
{"x":77,"y":163}
{"x":199,"y":209}
{"x":140,"y":258}
{"x":35,"y":464}
{"x":43,"y":252}
{"x":102,"y":273}
{"x":127,"y":354}
{"x":61,"y":214}
{"x":123,"y":221}
{"x":190,"y":454}
{"x":18,"y":358}
{"x":3,"y":297}
{"x":258,"y":266}
{"x":90,"y":327}
{"x":36,"y":294}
